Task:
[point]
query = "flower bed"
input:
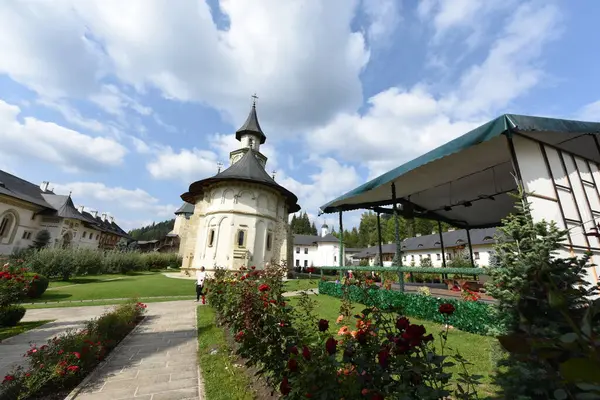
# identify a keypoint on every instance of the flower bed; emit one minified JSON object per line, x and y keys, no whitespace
{"x":384,"y":357}
{"x":471,"y":316}
{"x":14,"y":287}
{"x":63,"y":362}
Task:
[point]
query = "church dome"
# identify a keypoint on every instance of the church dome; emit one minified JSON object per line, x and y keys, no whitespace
{"x":247,"y":169}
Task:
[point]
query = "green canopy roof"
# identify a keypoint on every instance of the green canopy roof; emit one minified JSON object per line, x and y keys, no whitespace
{"x":463,"y":169}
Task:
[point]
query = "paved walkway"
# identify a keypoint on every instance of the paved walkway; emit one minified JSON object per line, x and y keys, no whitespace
{"x":157,"y":361}
{"x":12,"y":349}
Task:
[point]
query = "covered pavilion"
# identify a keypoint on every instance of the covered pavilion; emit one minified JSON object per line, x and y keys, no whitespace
{"x":466,"y":182}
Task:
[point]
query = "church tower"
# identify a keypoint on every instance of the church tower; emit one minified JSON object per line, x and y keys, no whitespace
{"x":251,"y":136}
{"x":240,"y":215}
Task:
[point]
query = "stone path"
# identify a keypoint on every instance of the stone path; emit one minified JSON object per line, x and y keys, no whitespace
{"x":12,"y":349}
{"x":158,"y":361}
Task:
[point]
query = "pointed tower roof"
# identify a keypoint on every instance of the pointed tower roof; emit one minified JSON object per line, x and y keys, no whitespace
{"x":186,"y":208}
{"x":247,"y":169}
{"x":251,"y":127}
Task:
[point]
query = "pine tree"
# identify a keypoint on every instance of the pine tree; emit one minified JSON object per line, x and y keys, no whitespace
{"x":540,"y":298}
{"x":313,"y":229}
{"x":41,"y":239}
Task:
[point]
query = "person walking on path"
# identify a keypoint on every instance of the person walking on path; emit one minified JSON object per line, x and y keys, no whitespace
{"x":200,"y":278}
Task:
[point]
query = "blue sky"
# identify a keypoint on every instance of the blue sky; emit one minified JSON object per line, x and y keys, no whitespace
{"x":125,"y":103}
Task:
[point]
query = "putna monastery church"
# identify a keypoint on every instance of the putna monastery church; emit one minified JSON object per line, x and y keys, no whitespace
{"x":239,"y":217}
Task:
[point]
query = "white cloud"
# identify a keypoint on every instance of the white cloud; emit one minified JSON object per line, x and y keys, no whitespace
{"x":402,"y":123}
{"x":384,"y":17}
{"x":301,"y":57}
{"x":185,"y":166}
{"x":590,"y":112}
{"x":54,"y":144}
{"x":72,"y":115}
{"x":112,"y":100}
{"x":117,"y":201}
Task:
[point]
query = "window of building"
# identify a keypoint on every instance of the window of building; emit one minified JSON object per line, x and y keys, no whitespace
{"x":335,"y":259}
{"x":24,"y":235}
{"x":306,"y":250}
{"x":412,"y":257}
{"x":404,"y":258}
{"x":211,"y":238}
{"x":241,"y":238}
{"x":297,"y":263}
{"x":84,"y":234}
{"x":5,"y":225}
{"x":305,"y":263}
{"x":438,"y":257}
{"x":269,"y":241}
{"x":297,"y":250}
{"x":420,"y":256}
{"x":476,"y":255}
{"x":487,"y":238}
{"x":448,"y":256}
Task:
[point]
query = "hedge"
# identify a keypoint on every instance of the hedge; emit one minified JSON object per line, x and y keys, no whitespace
{"x":474,"y":317}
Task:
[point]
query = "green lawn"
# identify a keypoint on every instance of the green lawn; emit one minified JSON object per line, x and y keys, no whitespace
{"x":21,"y":327}
{"x":117,"y":286}
{"x":222,"y":380}
{"x":301,"y":284}
{"x":475,"y":348}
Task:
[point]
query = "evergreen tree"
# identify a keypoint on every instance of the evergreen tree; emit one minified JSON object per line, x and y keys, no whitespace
{"x":541,"y":300}
{"x":41,"y":239}
{"x":313,"y":229}
{"x":154,"y":231}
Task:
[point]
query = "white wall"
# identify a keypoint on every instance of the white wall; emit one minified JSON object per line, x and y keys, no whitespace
{"x":481,"y":256}
{"x":566,"y":191}
{"x":229,"y":208}
{"x":22,"y":223}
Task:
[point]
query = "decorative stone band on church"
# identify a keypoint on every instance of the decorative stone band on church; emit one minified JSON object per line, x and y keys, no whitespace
{"x":239,"y":217}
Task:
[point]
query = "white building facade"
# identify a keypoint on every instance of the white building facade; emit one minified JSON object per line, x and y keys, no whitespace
{"x":238,"y":217}
{"x":316,"y":251}
{"x":419,"y":248}
{"x":26,"y":209}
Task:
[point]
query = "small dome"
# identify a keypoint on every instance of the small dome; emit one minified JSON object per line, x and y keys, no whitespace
{"x":325,"y":226}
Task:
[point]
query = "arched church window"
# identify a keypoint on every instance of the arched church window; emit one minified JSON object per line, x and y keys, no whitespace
{"x":241,"y":238}
{"x":211,"y":238}
{"x":6,"y":223}
{"x":250,"y":143}
{"x":269,"y":241}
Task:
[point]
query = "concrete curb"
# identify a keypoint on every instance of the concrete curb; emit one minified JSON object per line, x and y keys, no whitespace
{"x":201,"y":394}
{"x":75,"y":392}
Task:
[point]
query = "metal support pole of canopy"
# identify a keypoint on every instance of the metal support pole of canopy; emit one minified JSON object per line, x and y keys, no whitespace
{"x":471,"y":250}
{"x":444,"y":276}
{"x":379,"y":240}
{"x":398,"y":255}
{"x":341,"y":261}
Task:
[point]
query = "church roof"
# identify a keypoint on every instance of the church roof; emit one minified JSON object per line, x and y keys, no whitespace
{"x":247,"y":169}
{"x":186,"y":208}
{"x":251,"y":127}
{"x":308,"y":240}
{"x":63,"y":207}
{"x":18,"y":188}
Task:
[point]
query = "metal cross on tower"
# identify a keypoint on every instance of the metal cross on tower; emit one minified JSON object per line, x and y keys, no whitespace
{"x":254,"y":98}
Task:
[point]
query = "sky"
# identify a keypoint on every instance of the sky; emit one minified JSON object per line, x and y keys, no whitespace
{"x":125,"y":103}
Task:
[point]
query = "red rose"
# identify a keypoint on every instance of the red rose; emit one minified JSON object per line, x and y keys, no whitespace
{"x":8,"y":378}
{"x":285,"y":387}
{"x":73,"y":368}
{"x":252,"y":267}
{"x":306,"y":353}
{"x":377,"y":396}
{"x":414,"y":334}
{"x":239,"y":336}
{"x":323,"y":325}
{"x":77,"y":355}
{"x":331,"y":346}
{"x":264,"y":287}
{"x":292,"y":365}
{"x":447,"y":309}
{"x":293,"y":350}
{"x":383,"y":357}
{"x":402,"y":323}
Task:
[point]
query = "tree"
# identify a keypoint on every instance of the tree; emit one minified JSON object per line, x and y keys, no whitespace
{"x":122,"y":244}
{"x":544,"y":310}
{"x":41,"y":240}
{"x":154,"y":231}
{"x":313,"y":229}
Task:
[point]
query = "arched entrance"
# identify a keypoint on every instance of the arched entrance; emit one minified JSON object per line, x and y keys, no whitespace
{"x":66,"y":240}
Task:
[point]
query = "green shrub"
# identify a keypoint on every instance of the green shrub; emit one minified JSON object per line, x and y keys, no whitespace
{"x":65,"y":360}
{"x":37,"y":285}
{"x":11,"y":315}
{"x":474,"y":317}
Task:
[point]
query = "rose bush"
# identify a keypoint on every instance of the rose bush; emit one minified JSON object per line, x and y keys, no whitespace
{"x":63,"y":361}
{"x":383,"y":356}
{"x":14,"y":286}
